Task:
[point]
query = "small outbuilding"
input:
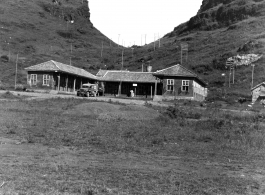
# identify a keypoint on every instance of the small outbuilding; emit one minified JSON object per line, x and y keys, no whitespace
{"x":258,"y":92}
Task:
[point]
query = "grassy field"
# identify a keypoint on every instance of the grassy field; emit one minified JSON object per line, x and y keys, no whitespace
{"x":67,"y":146}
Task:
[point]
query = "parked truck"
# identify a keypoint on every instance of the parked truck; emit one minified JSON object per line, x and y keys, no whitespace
{"x":88,"y":90}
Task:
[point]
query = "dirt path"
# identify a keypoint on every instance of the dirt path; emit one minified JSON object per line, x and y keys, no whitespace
{"x":40,"y":96}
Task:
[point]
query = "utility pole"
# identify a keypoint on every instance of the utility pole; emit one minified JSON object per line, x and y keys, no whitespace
{"x":154,"y":42}
{"x":141,"y":40}
{"x":8,"y":52}
{"x":132,"y":51}
{"x":223,"y":74}
{"x":101,"y":50}
{"x":229,"y":77}
{"x":122,"y":59}
{"x":16,"y":73}
{"x":145,"y":39}
{"x":158,"y":40}
{"x":118,"y":40}
{"x":184,"y":47}
{"x":253,"y":65}
{"x":180,"y":55}
{"x":234,"y":74}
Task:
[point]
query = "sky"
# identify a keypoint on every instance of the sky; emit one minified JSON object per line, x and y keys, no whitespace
{"x":130,"y":22}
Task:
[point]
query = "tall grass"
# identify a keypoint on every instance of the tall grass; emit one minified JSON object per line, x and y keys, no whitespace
{"x":153,"y":153}
{"x":46,"y":124}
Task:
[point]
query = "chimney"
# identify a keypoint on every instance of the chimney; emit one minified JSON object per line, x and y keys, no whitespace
{"x":149,"y":68}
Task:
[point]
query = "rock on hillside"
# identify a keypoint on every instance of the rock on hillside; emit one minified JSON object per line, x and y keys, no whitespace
{"x":215,"y":14}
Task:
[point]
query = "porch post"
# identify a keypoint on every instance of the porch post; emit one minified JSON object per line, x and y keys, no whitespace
{"x":81,"y":83}
{"x":151,"y":91}
{"x":119,"y":90}
{"x":30,"y":81}
{"x":67,"y":83}
{"x":74,"y":83}
{"x":103,"y":85}
{"x":155,"y":87}
{"x":146,"y":90}
{"x":59,"y":82}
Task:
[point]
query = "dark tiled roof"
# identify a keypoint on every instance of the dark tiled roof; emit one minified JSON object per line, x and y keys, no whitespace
{"x":263,"y":83}
{"x":176,"y":70}
{"x":101,"y":72}
{"x":57,"y":66}
{"x":137,"y":77}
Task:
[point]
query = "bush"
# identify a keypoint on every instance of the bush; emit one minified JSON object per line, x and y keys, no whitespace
{"x":65,"y":34}
{"x":4,"y":58}
{"x":202,"y":68}
{"x":175,"y":112}
{"x":20,"y":87}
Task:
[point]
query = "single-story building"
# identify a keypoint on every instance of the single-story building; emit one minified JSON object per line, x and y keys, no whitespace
{"x":258,"y":92}
{"x":53,"y":75}
{"x":122,"y":82}
{"x":175,"y":82}
{"x":181,"y":83}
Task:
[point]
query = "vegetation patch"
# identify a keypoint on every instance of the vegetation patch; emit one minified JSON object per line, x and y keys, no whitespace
{"x":72,"y":152}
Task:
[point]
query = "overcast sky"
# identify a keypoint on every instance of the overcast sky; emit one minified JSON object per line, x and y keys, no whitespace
{"x":133,"y":19}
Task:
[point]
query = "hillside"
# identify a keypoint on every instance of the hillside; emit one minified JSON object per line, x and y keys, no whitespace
{"x":220,"y":29}
{"x":40,"y":30}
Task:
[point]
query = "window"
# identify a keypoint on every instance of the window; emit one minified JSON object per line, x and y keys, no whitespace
{"x":33,"y":79}
{"x":46,"y":79}
{"x":185,"y":86}
{"x":170,"y":85}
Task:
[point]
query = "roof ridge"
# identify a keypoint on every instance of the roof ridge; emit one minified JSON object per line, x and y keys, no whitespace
{"x":257,"y":86}
{"x":72,"y":67}
{"x":167,"y":68}
{"x":179,"y":66}
{"x":105,"y":73}
{"x":188,"y":70}
{"x":55,"y":63}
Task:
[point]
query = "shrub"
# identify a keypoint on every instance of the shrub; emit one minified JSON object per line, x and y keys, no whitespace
{"x":20,"y":87}
{"x":65,"y":34}
{"x":175,"y":112}
{"x":202,"y":68}
{"x":4,"y":58}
